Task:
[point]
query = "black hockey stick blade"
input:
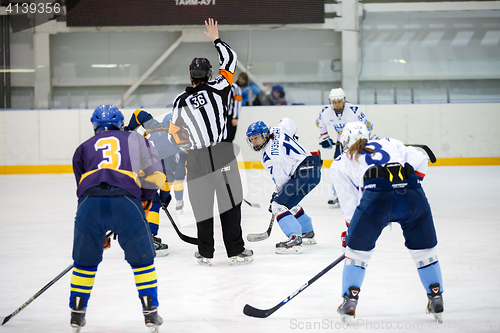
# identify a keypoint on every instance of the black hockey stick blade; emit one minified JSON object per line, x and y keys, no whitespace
{"x":252,"y":204}
{"x":185,"y":238}
{"x":427,"y":150}
{"x":262,"y":236}
{"x":257,"y":313}
{"x":47,"y":286}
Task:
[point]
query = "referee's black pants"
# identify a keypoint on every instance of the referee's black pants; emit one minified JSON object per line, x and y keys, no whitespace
{"x":209,"y":170}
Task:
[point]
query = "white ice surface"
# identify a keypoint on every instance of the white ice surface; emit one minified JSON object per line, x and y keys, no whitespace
{"x":36,"y":226}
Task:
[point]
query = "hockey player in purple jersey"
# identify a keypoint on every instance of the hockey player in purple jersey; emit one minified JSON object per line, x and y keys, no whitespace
{"x":295,"y":171}
{"x":116,"y":173}
{"x":174,"y":163}
{"x":378,"y":182}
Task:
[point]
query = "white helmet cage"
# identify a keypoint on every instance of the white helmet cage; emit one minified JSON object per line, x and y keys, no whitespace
{"x":352,"y":132}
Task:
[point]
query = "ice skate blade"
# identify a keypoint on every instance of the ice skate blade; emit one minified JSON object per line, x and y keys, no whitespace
{"x":242,"y":261}
{"x":346,"y":319}
{"x":205,"y":262}
{"x":154,"y":329}
{"x":291,"y":250}
{"x":162,"y":253}
{"x":438,"y":317}
{"x":77,"y":329}
{"x":308,"y":241}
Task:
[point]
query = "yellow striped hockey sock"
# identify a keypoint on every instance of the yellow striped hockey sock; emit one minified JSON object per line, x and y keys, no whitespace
{"x":145,"y":281}
{"x":82,"y":281}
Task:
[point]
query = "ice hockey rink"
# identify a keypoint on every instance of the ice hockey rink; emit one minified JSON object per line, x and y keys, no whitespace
{"x":36,"y":228}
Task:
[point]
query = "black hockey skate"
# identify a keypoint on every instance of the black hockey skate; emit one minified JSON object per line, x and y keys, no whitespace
{"x":151,"y":317}
{"x":308,"y":238}
{"x":77,"y":314}
{"x":347,"y":309}
{"x":334,"y":201}
{"x":161,"y":248}
{"x":291,"y":246}
{"x":435,"y":303}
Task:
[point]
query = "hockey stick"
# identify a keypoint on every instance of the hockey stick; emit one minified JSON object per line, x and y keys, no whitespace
{"x":251,"y":204}
{"x":47,"y":286}
{"x":427,"y":150}
{"x":262,"y":236}
{"x":185,"y":238}
{"x":257,"y":313}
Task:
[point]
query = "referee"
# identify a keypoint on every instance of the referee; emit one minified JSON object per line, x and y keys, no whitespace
{"x":198,"y":125}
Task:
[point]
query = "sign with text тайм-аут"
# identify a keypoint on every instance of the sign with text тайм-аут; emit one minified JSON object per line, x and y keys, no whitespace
{"x":98,"y":13}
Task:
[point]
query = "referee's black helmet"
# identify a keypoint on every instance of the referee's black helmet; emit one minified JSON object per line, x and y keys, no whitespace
{"x":200,"y":68}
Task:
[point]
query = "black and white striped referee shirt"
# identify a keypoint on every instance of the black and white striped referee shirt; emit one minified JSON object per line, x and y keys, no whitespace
{"x":234,"y":102}
{"x":201,"y":111}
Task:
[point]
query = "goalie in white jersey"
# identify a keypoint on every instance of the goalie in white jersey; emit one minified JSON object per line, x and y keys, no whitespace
{"x":295,"y":171}
{"x":378,"y":182}
{"x":337,"y":114}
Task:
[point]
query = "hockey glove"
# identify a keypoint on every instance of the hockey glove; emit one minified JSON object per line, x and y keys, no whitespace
{"x":107,"y":243}
{"x":146,"y":205}
{"x":165,"y":198}
{"x":325,"y":141}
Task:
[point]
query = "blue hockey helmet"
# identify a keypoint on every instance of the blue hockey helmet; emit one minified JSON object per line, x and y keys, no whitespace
{"x":255,"y":129}
{"x":106,"y":117}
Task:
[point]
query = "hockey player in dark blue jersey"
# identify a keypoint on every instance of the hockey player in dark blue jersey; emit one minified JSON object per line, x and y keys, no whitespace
{"x":174,"y":162}
{"x":117,"y":173}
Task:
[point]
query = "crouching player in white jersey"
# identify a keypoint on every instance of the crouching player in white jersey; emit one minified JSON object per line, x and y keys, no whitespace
{"x":378,"y":182}
{"x":295,"y":171}
{"x":337,"y":114}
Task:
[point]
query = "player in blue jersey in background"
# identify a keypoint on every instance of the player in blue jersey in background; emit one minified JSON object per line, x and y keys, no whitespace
{"x":295,"y":171}
{"x":378,"y":182}
{"x":174,"y":162}
{"x":117,"y":173}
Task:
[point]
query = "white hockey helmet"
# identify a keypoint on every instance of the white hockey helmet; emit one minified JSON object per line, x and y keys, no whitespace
{"x":352,"y":132}
{"x":336,"y":94}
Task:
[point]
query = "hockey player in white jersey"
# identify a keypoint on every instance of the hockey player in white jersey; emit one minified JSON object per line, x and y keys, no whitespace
{"x":378,"y":182}
{"x":295,"y":171}
{"x":337,"y":114}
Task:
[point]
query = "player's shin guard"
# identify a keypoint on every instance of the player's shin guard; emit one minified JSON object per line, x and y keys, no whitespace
{"x":431,"y":275}
{"x":145,"y":281}
{"x":178,"y":189}
{"x":289,"y":224}
{"x":428,"y":267}
{"x":82,"y":281}
{"x":352,"y":276}
{"x":302,"y":218}
{"x":154,"y":217}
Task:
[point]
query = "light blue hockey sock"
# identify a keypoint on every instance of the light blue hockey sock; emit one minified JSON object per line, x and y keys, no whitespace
{"x":304,"y":221}
{"x":352,"y":276}
{"x":288,"y":223}
{"x":431,"y":274}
